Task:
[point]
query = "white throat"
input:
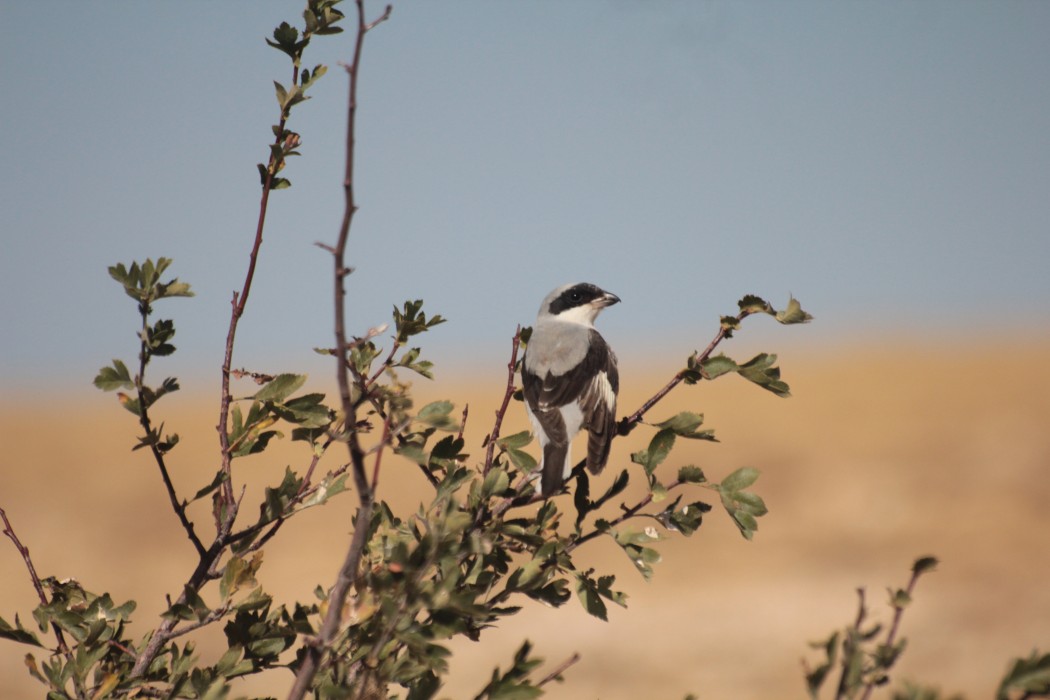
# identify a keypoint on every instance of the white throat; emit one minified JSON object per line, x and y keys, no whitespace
{"x":581,"y":315}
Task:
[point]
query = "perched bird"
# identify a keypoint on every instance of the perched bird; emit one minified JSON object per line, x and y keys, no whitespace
{"x":570,"y":381}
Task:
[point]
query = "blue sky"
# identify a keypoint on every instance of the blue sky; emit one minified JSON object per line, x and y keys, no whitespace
{"x":887,"y":163}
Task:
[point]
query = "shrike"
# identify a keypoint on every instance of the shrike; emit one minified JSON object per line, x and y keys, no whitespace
{"x":570,"y":381}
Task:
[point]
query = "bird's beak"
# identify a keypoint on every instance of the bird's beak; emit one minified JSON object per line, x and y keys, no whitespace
{"x":606,"y":299}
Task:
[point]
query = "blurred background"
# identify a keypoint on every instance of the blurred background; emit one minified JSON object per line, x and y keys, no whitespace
{"x":886,"y":163}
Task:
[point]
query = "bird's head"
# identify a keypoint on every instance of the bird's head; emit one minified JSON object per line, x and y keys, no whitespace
{"x":576,"y":303}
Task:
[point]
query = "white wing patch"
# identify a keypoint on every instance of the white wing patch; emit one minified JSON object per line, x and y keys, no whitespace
{"x":601,"y":386}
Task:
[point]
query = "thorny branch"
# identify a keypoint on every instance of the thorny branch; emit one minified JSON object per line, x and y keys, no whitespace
{"x":237,"y":308}
{"x":891,"y":636}
{"x":348,"y":572}
{"x":559,"y":669}
{"x":628,"y":423}
{"x":507,"y":394}
{"x":158,"y":455}
{"x":24,"y":551}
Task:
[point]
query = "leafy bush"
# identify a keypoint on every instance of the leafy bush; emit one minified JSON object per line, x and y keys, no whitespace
{"x":482,"y":545}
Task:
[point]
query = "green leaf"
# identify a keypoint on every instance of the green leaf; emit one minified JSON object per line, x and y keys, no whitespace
{"x":554,"y":594}
{"x":412,"y":321}
{"x":306,"y":411}
{"x":18,"y":633}
{"x":899,"y":598}
{"x":742,"y":506}
{"x":761,"y":370}
{"x":793,"y":313}
{"x":754,"y":304}
{"x":331,"y":485}
{"x":1030,"y":675}
{"x":516,"y":440}
{"x":730,"y":324}
{"x":115,"y":377}
{"x":617,"y":487}
{"x":923,"y":565}
{"x":591,"y":591}
{"x":496,"y":483}
{"x":634,"y":545}
{"x":525,"y":462}
{"x":685,"y":425}
{"x":436,"y":415}
{"x":215,"y":483}
{"x":659,"y":447}
{"x":686,"y":519}
{"x":280,"y":387}
{"x":740,"y":479}
{"x":587,"y":591}
{"x":718,"y":365}
{"x":691,"y":475}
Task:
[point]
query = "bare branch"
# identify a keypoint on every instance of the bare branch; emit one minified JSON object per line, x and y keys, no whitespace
{"x":213,"y":616}
{"x":463,"y":421}
{"x":559,"y":669}
{"x":240,"y":300}
{"x":348,"y":572}
{"x":24,"y":551}
{"x":205,"y":571}
{"x":628,"y":423}
{"x":507,"y":394}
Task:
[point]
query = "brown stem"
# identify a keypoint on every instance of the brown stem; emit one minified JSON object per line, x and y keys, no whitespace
{"x":158,"y":456}
{"x":24,"y":551}
{"x":842,"y":689}
{"x":463,"y":421}
{"x":559,"y":669}
{"x":891,"y":636}
{"x":204,"y":572}
{"x":237,"y":310}
{"x":630,"y":421}
{"x":348,"y":572}
{"x":305,"y":489}
{"x":379,"y":452}
{"x":507,"y":394}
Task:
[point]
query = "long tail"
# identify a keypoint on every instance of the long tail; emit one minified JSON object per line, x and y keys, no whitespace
{"x":555,"y":456}
{"x":598,"y":445}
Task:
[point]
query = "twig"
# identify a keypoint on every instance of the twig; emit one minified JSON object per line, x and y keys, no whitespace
{"x":367,"y":383}
{"x":213,"y":616}
{"x":118,"y":645}
{"x":237,"y":309}
{"x":24,"y":551}
{"x":507,"y":394}
{"x":379,"y":452}
{"x":842,"y":690}
{"x":628,"y":513}
{"x":204,"y":572}
{"x":559,"y":669}
{"x":348,"y":572}
{"x":628,"y":423}
{"x":305,"y":489}
{"x":463,"y":421}
{"x":891,"y":636}
{"x":158,"y":456}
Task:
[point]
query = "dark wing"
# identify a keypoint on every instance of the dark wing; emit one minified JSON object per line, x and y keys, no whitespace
{"x":553,"y":391}
{"x":593,"y":384}
{"x":598,"y":403}
{"x":552,"y":424}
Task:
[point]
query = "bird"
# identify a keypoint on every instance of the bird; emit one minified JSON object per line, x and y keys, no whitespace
{"x":570,"y":381}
